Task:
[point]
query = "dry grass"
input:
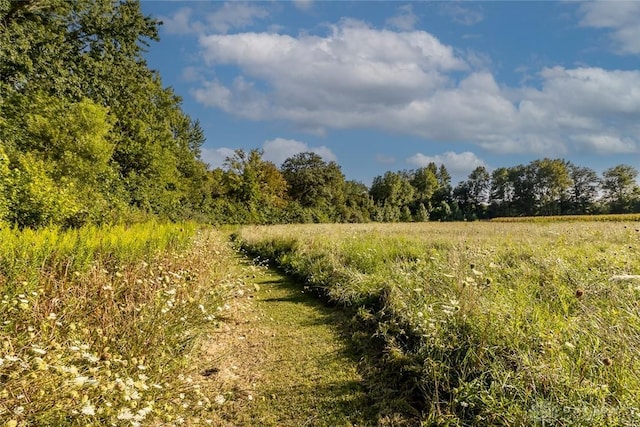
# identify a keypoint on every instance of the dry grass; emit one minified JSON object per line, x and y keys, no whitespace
{"x":97,"y":325}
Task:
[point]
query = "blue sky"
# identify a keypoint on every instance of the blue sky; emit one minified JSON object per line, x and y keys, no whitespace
{"x":394,"y":85}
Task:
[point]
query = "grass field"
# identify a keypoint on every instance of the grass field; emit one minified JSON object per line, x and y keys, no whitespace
{"x":482,"y":323}
{"x":97,"y":324}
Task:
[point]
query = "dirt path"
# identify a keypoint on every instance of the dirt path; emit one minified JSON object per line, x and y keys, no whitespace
{"x":279,"y":360}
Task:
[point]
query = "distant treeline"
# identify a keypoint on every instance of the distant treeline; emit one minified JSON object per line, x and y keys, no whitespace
{"x":88,"y":134}
{"x":308,"y":189}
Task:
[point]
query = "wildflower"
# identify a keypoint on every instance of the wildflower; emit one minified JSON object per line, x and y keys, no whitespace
{"x":125,"y":414}
{"x":90,"y":357}
{"x":88,"y":409}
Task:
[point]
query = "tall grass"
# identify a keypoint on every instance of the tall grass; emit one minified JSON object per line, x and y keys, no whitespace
{"x":572,"y":218}
{"x":96,"y":324}
{"x":484,"y":323}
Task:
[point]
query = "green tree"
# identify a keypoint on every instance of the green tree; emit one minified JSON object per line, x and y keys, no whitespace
{"x":77,"y":50}
{"x":551,"y":184}
{"x":359,"y":205}
{"x":522,"y":180}
{"x":315,"y":184}
{"x":620,"y":188}
{"x":425,"y":183}
{"x":422,"y":214}
{"x":501,"y":193}
{"x":584,"y":189}
{"x":256,"y":185}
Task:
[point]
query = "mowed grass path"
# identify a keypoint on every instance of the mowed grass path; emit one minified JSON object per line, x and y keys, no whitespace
{"x":282,"y":361}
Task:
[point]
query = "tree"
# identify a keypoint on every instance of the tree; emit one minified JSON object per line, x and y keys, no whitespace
{"x":315,"y":184}
{"x":584,"y":189}
{"x":76,"y":52}
{"x":358,"y":204}
{"x":472,"y":195}
{"x":425,"y":183}
{"x":551,"y":184}
{"x":422,"y":214}
{"x":393,"y":188}
{"x":501,"y":193}
{"x":620,"y":188}
{"x":256,"y":186}
{"x":405,"y":214}
{"x":522,"y":180}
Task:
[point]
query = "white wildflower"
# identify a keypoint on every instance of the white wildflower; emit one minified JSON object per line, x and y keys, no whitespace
{"x":88,"y":409}
{"x":90,"y":357}
{"x":125,"y":414}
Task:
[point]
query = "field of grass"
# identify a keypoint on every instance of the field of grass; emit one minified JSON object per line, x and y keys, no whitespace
{"x":571,"y":218}
{"x":97,"y":324}
{"x":482,"y":323}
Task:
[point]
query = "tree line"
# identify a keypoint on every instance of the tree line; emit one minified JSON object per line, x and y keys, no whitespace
{"x":308,"y":189}
{"x":89,"y":134}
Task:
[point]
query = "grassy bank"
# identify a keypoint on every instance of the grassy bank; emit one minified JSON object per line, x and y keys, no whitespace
{"x":483,"y":323}
{"x":96,"y":324}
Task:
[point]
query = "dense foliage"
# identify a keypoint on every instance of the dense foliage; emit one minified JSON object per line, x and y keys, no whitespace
{"x":88,"y":132}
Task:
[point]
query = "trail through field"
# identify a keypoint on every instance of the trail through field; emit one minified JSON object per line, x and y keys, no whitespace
{"x":280,"y":360}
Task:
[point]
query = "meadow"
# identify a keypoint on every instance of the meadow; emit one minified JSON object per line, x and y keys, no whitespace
{"x":481,"y":323}
{"x":99,"y":325}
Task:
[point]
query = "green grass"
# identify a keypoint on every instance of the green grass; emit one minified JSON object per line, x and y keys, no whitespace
{"x":483,"y":323}
{"x":299,"y":369}
{"x":97,"y":324}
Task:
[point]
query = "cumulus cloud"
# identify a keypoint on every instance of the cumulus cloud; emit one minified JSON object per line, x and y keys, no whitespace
{"x":405,"y":19}
{"x":622,"y":18}
{"x":215,"y":157}
{"x":409,"y":82}
{"x":457,"y":164}
{"x":231,"y":15}
{"x":279,"y":149}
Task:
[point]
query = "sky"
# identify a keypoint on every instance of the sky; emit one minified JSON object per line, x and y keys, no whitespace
{"x":392,"y":85}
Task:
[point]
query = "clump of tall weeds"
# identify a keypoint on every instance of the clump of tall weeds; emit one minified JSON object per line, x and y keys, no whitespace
{"x":96,"y":324}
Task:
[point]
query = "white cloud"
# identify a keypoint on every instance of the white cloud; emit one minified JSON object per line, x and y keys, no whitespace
{"x":460,"y":14}
{"x":621,"y":17}
{"x":279,"y":149}
{"x":404,"y":20}
{"x":180,"y":23}
{"x":231,"y":15}
{"x":607,"y":144}
{"x":235,"y":15}
{"x":409,"y":82}
{"x":215,"y":157}
{"x":303,"y":4}
{"x":457,"y":164}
